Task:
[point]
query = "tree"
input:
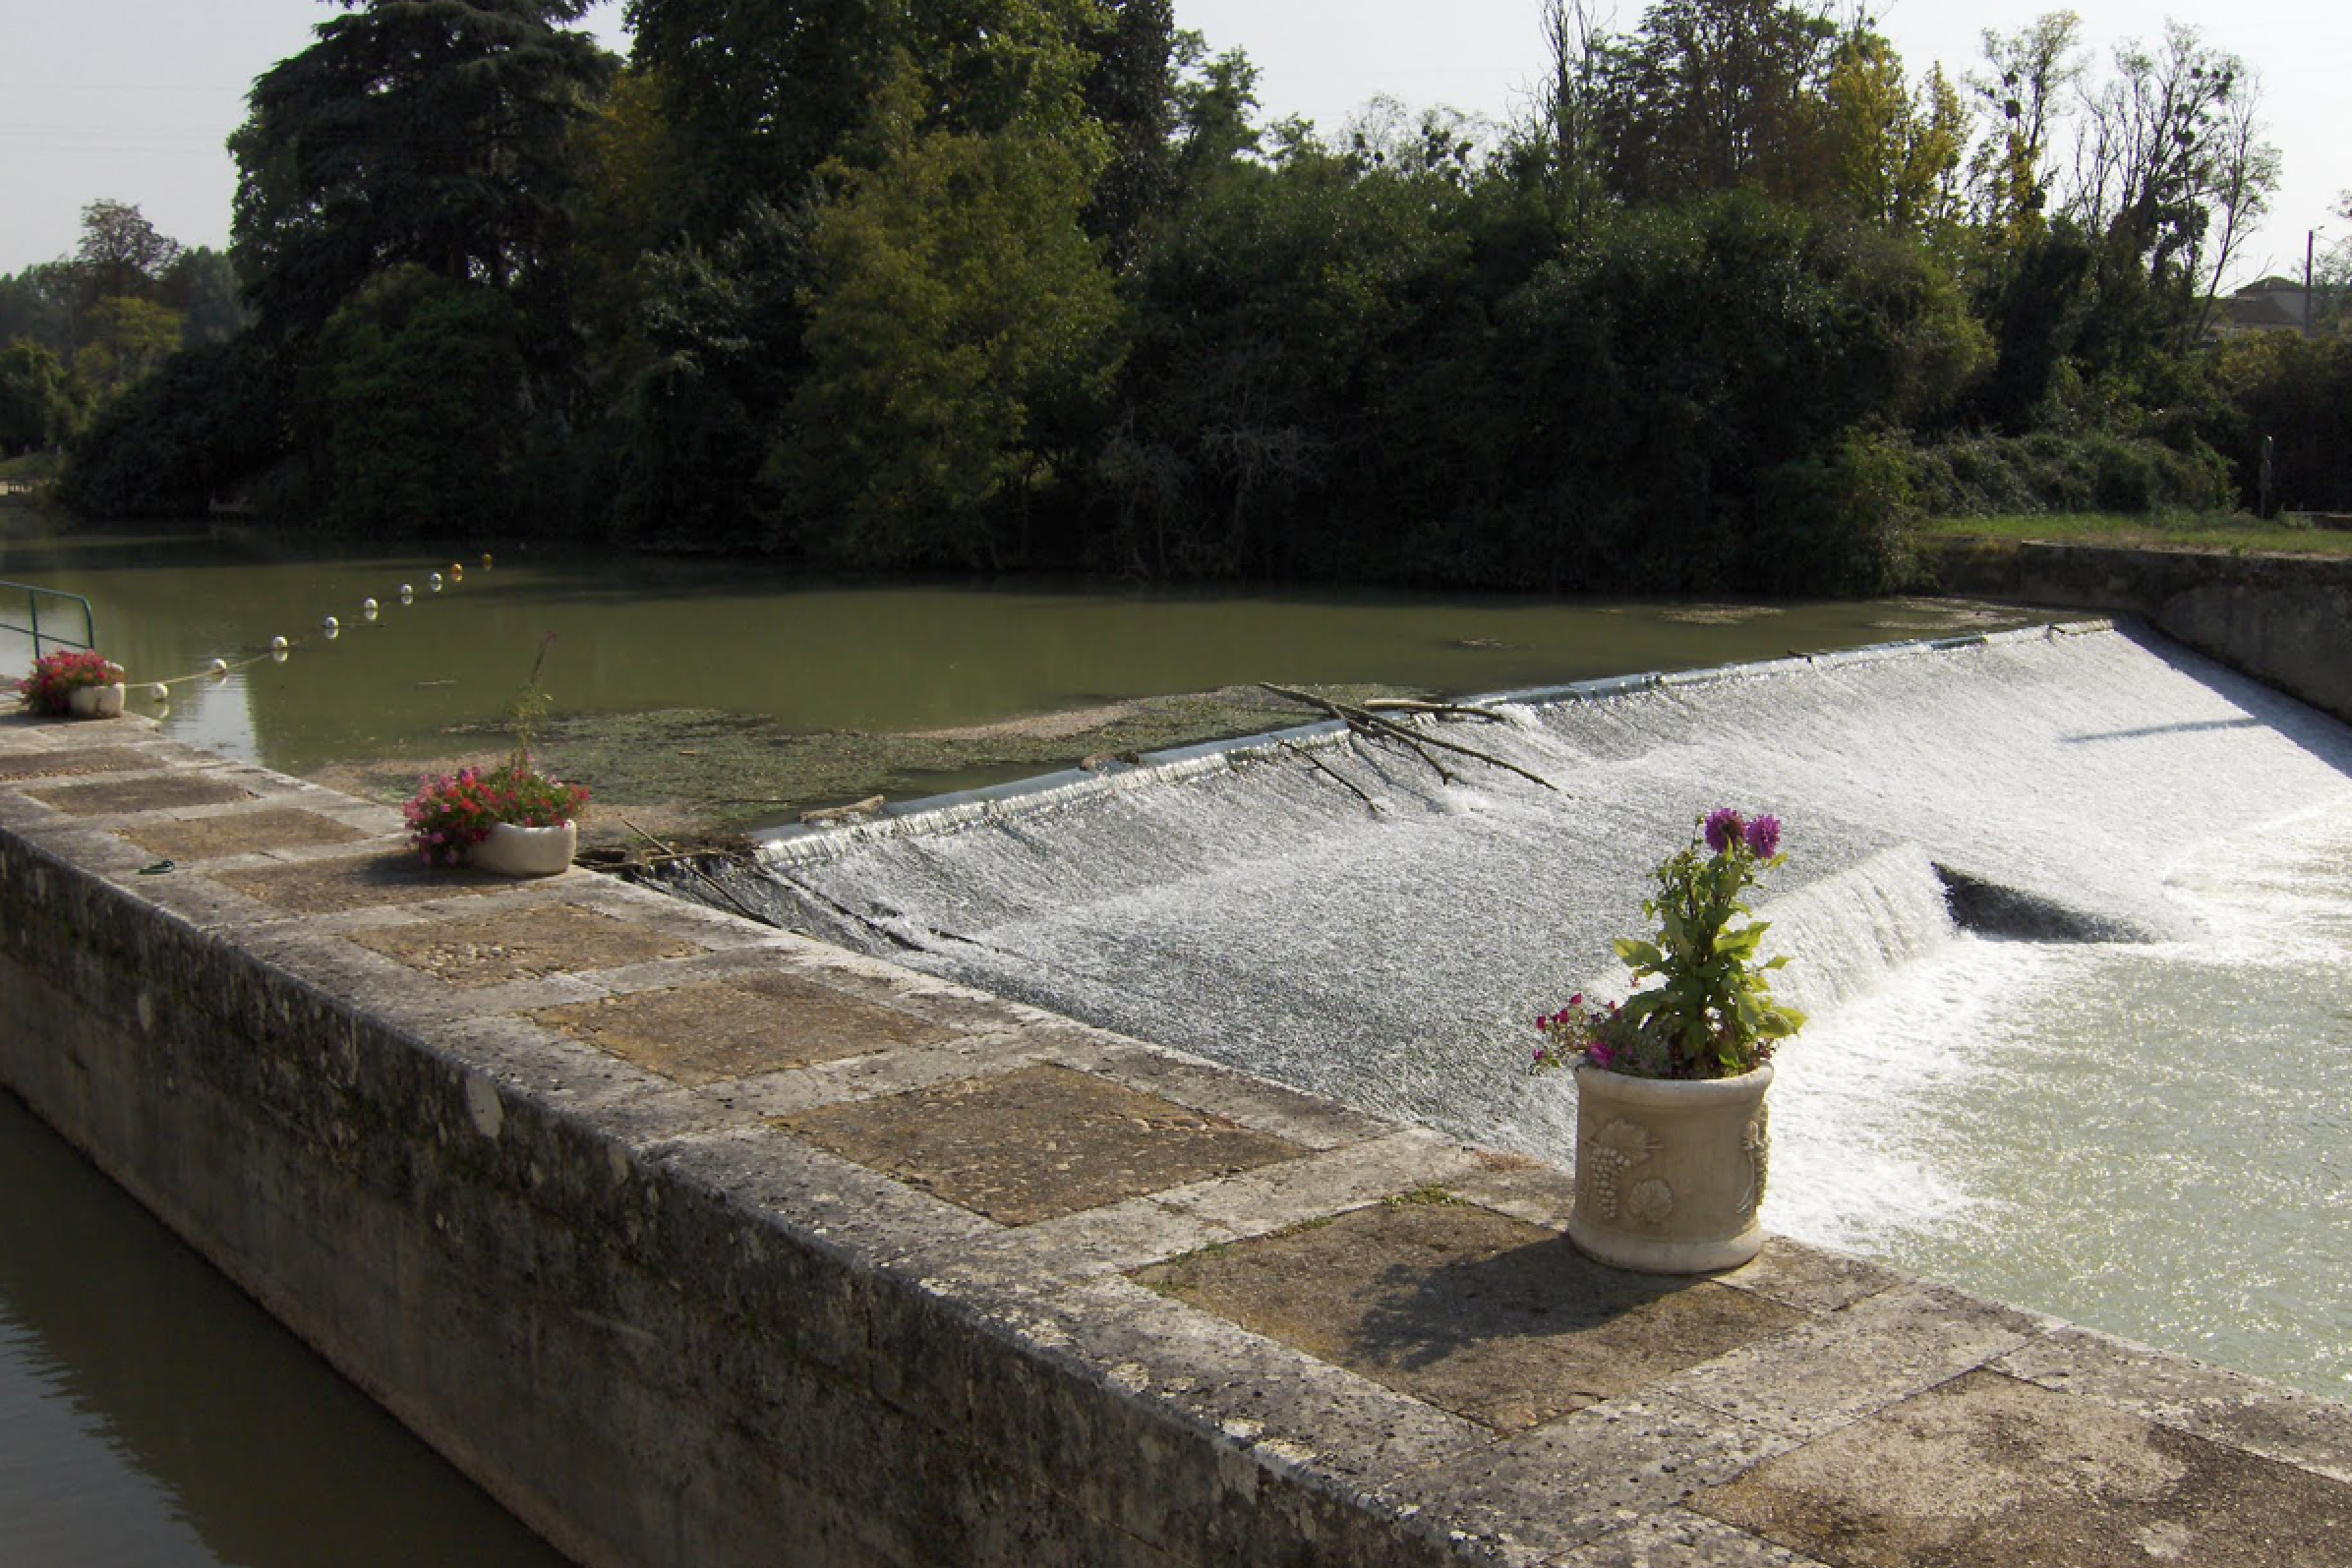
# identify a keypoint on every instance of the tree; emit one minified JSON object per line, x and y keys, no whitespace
{"x":960,"y":313}
{"x":125,"y":341}
{"x":1567,"y":129}
{"x":1898,"y":153}
{"x":40,"y":303}
{"x":426,"y":133}
{"x":759,"y":92}
{"x":2021,"y":100}
{"x":200,"y":428}
{"x":202,"y":287}
{"x":2171,"y":166}
{"x":37,"y":402}
{"x":121,"y":255}
{"x":1709,"y":96}
{"x":1131,"y":91}
{"x":420,"y":389}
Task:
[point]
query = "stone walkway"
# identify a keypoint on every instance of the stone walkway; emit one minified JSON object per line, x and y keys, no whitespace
{"x":1389,"y":1318}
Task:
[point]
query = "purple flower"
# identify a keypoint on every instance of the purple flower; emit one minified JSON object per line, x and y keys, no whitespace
{"x":1764,"y":837}
{"x":1723,"y":826}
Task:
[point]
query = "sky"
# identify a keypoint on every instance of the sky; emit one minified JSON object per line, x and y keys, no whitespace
{"x":132,"y":100}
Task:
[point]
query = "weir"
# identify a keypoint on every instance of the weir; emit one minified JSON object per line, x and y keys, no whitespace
{"x":1247,"y":906}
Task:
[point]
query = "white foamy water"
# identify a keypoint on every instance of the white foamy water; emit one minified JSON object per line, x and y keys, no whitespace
{"x":2038,"y":1120}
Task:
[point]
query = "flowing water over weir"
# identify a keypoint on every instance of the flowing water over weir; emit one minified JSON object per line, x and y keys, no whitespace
{"x":2069,"y":907}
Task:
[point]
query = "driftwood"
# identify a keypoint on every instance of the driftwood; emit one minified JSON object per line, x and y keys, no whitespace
{"x":1326,"y":770}
{"x":855,"y":808}
{"x":674,"y":858}
{"x":1372,"y":727}
{"x":1442,"y":710}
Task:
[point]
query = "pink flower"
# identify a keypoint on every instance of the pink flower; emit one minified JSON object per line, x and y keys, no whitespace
{"x":1724,"y":828}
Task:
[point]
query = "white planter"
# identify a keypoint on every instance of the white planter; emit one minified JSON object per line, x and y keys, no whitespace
{"x":95,"y":702}
{"x":512,"y":851}
{"x":1669,"y":1173}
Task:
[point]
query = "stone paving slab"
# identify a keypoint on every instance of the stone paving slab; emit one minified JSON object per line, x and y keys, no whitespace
{"x":1987,"y":1471}
{"x":1495,"y":1320}
{"x":1036,"y":1143}
{"x":1841,"y":1367}
{"x":2282,"y":1424}
{"x":1542,"y":1493}
{"x":327,"y":885}
{"x":709,"y":1030}
{"x":252,"y":832}
{"x":160,"y":792}
{"x":71,"y":762}
{"x":525,"y":944}
{"x":1679,"y":1538}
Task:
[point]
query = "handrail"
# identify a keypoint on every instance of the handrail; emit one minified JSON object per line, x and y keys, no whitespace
{"x":33,"y":612}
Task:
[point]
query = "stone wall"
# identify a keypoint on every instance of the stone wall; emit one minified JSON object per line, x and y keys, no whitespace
{"x":2284,"y":620}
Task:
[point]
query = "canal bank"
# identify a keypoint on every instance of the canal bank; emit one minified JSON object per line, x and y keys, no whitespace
{"x":698,"y":1243}
{"x":2284,"y":620}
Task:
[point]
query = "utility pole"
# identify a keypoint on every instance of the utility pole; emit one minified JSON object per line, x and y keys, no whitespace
{"x":2308,"y":235}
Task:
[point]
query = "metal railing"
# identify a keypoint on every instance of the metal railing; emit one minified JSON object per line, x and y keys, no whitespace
{"x":33,"y":616}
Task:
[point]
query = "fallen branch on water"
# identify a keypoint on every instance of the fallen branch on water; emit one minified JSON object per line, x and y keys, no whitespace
{"x":1329,"y":772}
{"x":855,"y":808}
{"x":674,"y":858}
{"x":1441,"y":709}
{"x":1372,"y":725}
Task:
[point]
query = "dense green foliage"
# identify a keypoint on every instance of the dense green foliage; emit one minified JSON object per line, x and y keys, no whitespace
{"x":898,"y":285}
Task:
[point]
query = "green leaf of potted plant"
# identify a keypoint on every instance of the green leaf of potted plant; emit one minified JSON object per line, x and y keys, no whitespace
{"x":1671,"y":1132}
{"x":80,"y":683}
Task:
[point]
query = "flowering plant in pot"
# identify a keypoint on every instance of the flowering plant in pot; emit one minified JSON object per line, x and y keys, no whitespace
{"x":450,"y":816}
{"x":1672,"y":1134}
{"x":79,"y":682}
{"x":512,"y":819}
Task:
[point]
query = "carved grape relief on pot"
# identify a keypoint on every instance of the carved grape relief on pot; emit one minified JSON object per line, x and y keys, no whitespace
{"x":1612,"y":1151}
{"x":1756,"y":1142}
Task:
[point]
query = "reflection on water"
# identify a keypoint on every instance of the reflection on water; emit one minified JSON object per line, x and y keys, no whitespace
{"x":636,"y":636}
{"x":153,"y":1416}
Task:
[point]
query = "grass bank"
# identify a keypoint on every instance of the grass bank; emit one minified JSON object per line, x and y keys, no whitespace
{"x":2233,"y":531}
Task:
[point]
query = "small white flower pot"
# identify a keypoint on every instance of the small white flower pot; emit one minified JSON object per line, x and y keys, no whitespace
{"x":95,"y":702}
{"x":511,"y":852}
{"x":1669,"y":1173}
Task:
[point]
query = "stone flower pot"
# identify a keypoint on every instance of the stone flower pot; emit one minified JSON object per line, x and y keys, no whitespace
{"x":95,"y":702}
{"x":1669,"y":1172}
{"x":512,"y":851}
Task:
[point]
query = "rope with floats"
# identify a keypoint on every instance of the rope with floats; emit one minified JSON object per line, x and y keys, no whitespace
{"x":283,"y":648}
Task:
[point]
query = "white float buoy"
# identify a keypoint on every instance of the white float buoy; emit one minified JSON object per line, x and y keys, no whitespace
{"x":366,"y":607}
{"x":435,"y":580}
{"x":330,"y":625}
{"x":221,"y":667}
{"x":160,"y":692}
{"x":277,"y":645}
{"x":408,"y":595}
